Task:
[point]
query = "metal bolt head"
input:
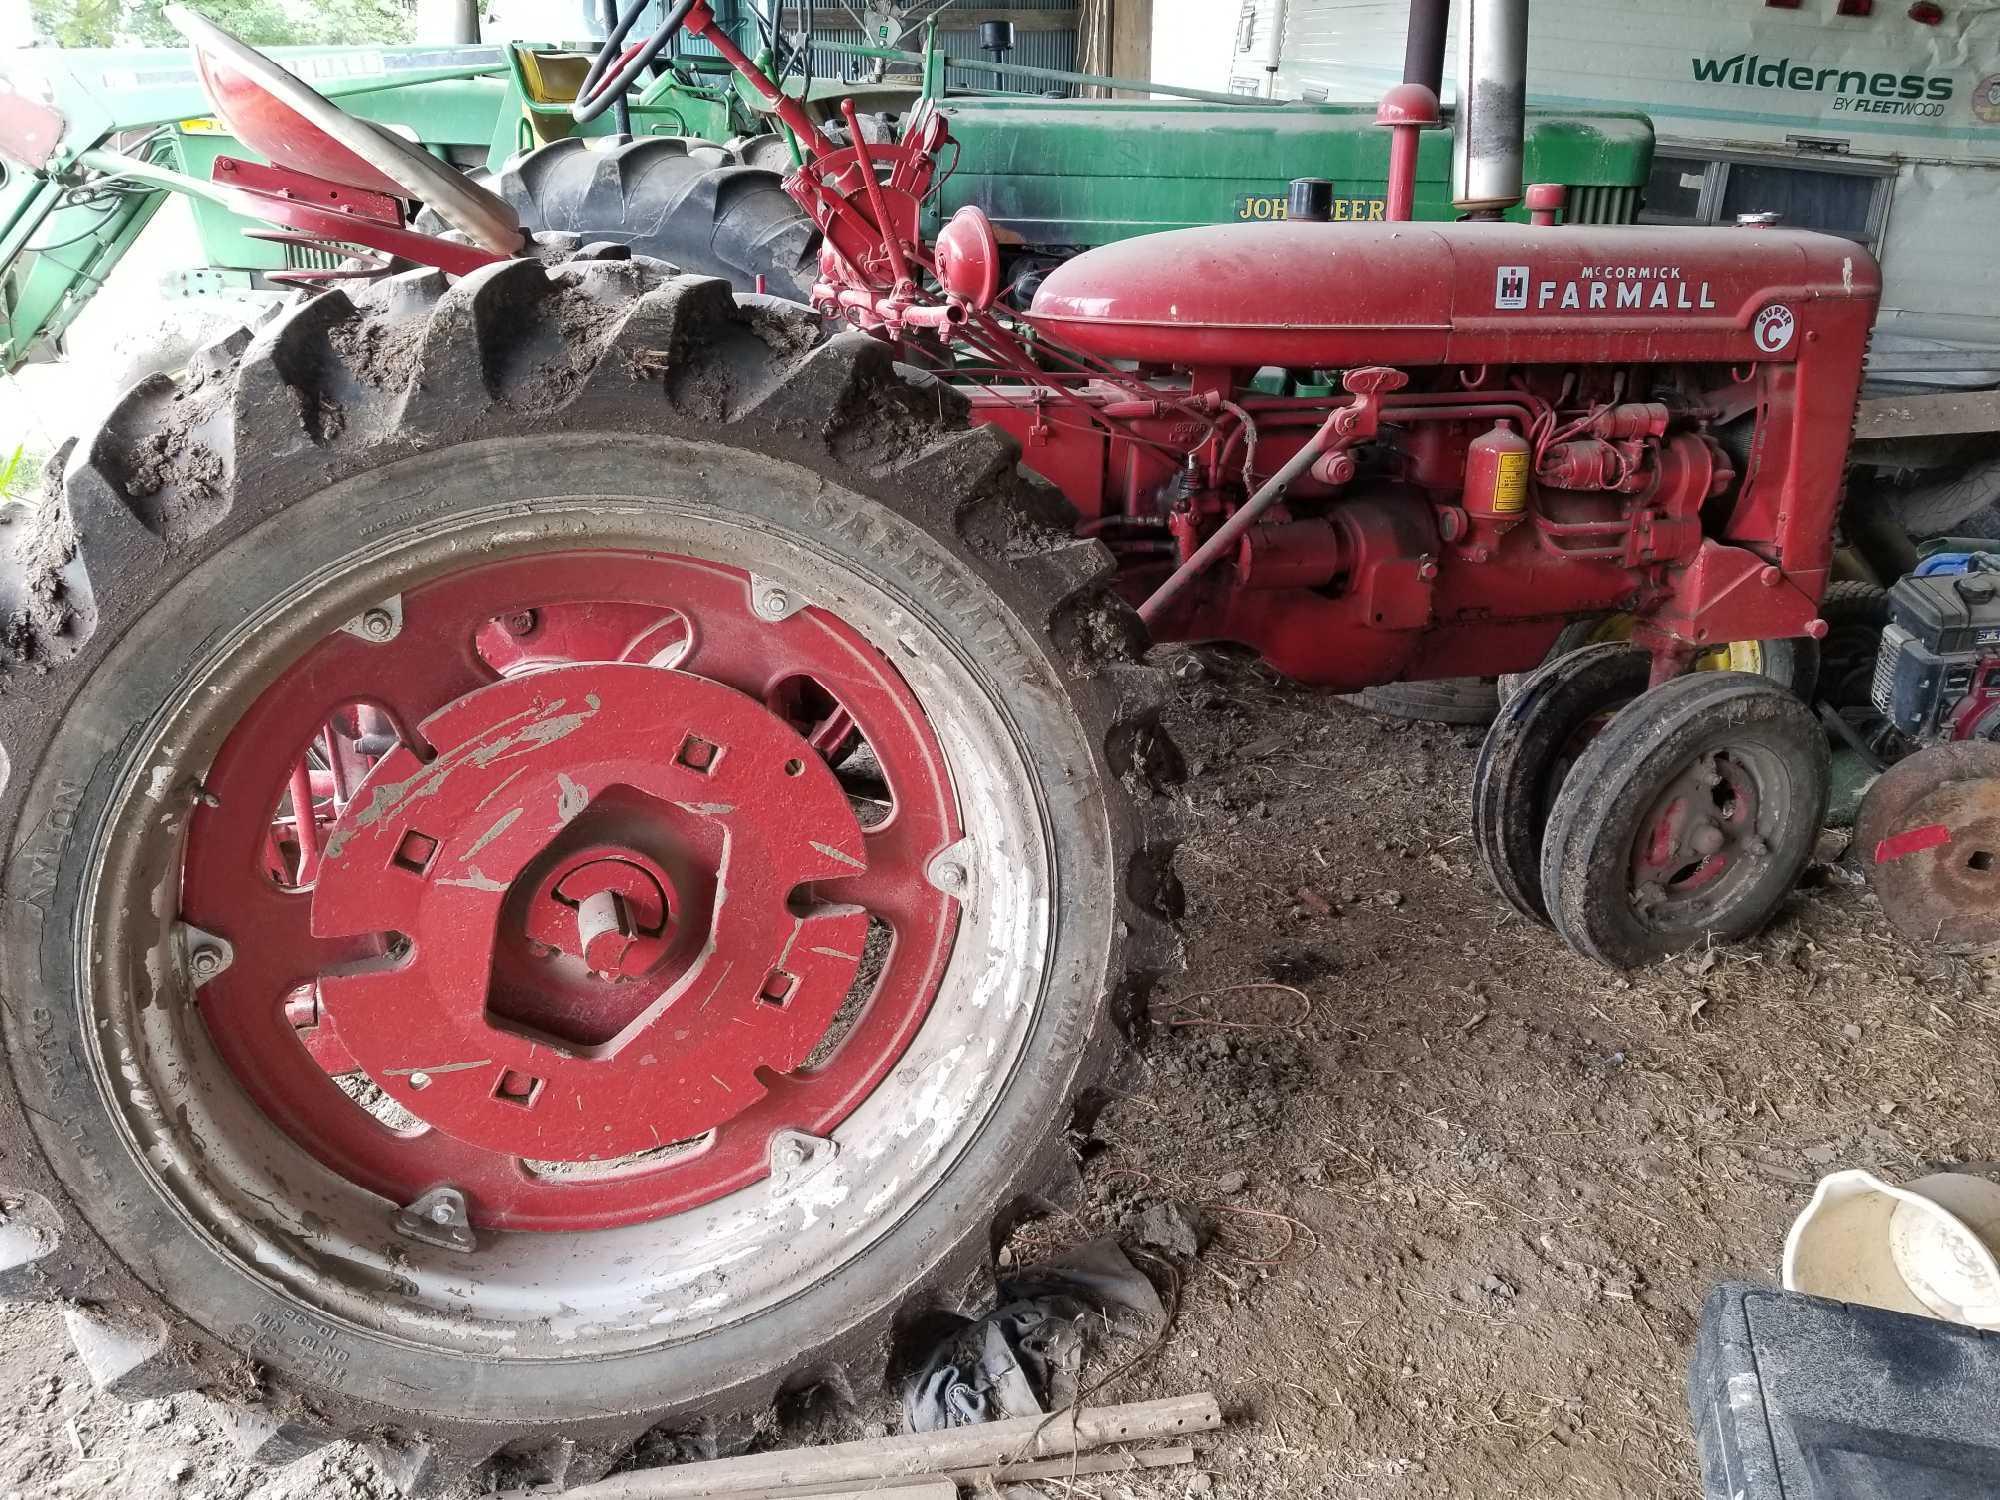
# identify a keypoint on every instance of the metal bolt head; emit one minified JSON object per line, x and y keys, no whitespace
{"x":205,"y":962}
{"x":420,"y":1080}
{"x":788,"y":1154}
{"x":774,"y":602}
{"x":441,"y":1213}
{"x":951,"y":876}
{"x":522,"y":622}
{"x":378,"y":624}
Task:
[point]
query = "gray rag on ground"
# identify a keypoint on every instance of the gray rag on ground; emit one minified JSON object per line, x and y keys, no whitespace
{"x":1016,"y":1360}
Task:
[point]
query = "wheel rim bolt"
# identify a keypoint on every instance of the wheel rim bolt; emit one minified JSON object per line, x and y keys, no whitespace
{"x":774,"y":602}
{"x":205,"y":962}
{"x":441,"y":1213}
{"x":420,"y":1080}
{"x":378,"y":624}
{"x":951,"y":876}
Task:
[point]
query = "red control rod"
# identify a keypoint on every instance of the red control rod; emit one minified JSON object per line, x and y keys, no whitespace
{"x":701,"y":22}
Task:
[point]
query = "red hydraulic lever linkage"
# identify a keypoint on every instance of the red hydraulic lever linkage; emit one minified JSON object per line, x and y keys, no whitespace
{"x":856,"y":198}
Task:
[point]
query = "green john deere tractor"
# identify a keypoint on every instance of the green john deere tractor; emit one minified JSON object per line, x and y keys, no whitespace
{"x":694,"y":174}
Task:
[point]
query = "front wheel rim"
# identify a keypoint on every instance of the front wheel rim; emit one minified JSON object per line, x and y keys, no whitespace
{"x":1706,"y":837}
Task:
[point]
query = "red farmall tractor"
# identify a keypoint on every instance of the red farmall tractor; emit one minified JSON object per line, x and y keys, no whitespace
{"x":572,"y":838}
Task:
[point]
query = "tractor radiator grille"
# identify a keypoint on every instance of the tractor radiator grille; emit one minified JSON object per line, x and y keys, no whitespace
{"x":1601,"y":205}
{"x":312,"y":258}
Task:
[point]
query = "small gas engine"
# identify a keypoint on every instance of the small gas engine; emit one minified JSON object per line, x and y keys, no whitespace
{"x":1937,"y":675}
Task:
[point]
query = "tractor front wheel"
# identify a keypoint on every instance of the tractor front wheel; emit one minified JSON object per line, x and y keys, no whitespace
{"x":567,"y":842}
{"x":1527,"y":756}
{"x":1686,"y":820}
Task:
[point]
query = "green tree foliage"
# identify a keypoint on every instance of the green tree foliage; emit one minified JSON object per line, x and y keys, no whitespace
{"x":265,"y":23}
{"x":20,"y":475}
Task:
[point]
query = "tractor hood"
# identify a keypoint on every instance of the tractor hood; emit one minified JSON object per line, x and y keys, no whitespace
{"x":1339,"y":295}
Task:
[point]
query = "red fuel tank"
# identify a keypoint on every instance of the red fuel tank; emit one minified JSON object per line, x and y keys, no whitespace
{"x":1334,"y":296}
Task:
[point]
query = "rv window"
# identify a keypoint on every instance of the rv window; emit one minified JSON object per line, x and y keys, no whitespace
{"x":1845,"y":200}
{"x":1833,"y":202}
{"x":1673,"y":192}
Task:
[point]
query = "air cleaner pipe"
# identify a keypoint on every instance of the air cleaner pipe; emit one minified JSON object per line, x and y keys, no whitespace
{"x":1227,"y":534}
{"x":1406,"y":111}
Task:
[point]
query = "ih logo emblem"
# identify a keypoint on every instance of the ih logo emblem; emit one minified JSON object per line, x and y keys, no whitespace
{"x":1510,"y":288}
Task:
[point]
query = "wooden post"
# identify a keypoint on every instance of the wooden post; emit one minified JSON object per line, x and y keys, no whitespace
{"x":1132,"y":41}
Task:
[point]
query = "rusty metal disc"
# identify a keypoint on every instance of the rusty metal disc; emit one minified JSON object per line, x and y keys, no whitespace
{"x":1929,"y":837}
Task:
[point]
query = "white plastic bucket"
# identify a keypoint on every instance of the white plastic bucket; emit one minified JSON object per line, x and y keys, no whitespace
{"x":1927,"y":1247}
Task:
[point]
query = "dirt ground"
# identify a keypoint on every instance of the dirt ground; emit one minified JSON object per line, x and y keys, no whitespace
{"x":1464,"y":1191}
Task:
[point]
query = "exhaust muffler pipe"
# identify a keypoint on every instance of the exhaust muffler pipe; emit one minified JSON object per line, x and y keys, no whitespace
{"x":1492,"y":122}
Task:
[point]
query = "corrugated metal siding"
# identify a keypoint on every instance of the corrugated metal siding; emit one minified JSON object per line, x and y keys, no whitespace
{"x":1032,"y":49}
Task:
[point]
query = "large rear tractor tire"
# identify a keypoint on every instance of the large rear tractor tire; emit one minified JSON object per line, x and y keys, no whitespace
{"x":466,"y":989}
{"x":683,"y":200}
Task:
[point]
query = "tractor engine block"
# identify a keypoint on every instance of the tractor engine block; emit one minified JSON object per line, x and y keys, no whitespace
{"x":1461,"y":538}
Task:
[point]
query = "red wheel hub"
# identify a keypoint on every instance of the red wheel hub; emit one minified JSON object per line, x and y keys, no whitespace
{"x":1703,"y":827}
{"x":437,"y":849}
{"x":589,"y":918}
{"x":610,"y":908}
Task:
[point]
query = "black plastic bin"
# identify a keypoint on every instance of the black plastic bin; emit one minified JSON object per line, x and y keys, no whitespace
{"x":1798,"y":1398}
